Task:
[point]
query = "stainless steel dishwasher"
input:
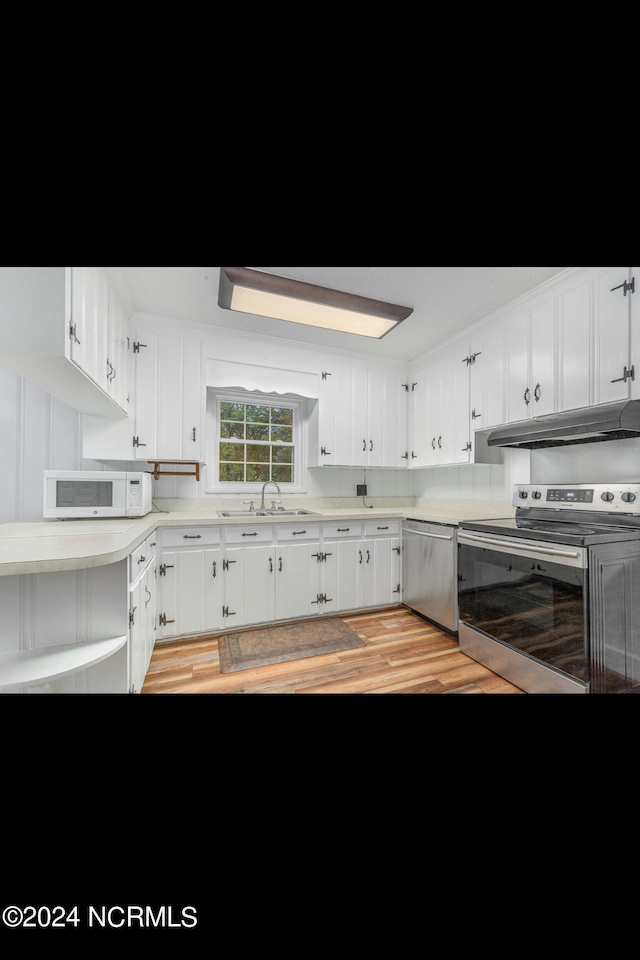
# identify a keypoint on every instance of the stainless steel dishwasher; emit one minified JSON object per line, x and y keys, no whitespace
{"x":430,"y":571}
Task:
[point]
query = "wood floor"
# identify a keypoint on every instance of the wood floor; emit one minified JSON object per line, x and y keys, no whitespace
{"x":403,"y":654}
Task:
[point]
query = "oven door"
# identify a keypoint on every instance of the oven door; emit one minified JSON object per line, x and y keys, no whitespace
{"x":523,"y":607}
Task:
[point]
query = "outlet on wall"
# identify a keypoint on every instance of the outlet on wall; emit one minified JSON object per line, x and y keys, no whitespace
{"x":361,"y":489}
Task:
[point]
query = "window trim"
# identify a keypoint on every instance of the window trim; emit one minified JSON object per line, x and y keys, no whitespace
{"x":239,"y":395}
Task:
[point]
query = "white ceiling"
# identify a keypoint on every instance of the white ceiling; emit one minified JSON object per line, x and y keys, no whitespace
{"x":445,"y":300}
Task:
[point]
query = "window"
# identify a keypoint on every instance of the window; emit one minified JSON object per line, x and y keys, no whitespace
{"x":257,"y":437}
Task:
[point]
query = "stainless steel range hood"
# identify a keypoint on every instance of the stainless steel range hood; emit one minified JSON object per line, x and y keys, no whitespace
{"x":607,"y":421}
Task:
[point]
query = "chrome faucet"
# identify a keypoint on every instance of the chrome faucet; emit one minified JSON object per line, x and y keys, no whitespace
{"x":262,"y":506}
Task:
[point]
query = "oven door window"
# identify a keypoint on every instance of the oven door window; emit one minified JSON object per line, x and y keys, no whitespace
{"x":536,"y":607}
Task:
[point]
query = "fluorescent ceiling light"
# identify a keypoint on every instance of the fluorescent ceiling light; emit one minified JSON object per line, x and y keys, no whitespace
{"x":265,"y":295}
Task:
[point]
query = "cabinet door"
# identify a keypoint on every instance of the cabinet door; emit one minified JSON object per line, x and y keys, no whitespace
{"x":326,"y":416}
{"x":420,"y":440}
{"x":148,"y":600}
{"x":375,"y":401}
{"x":574,"y":348}
{"x":178,"y":399}
{"x":137,"y":640}
{"x":379,"y":581}
{"x":432,"y":425}
{"x":543,"y":353}
{"x":395,"y":420}
{"x":613,"y":328}
{"x":145,"y":374}
{"x":89,"y":317}
{"x":340,"y":574}
{"x":359,"y":417}
{"x":118,"y":353}
{"x":493,"y":363}
{"x":248,"y":585}
{"x":344,"y":429}
{"x":518,"y":385}
{"x":459,"y":415}
{"x":189,"y":601}
{"x":297,"y":575}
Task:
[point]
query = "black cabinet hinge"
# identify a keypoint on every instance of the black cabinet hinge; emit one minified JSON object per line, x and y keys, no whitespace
{"x":471,"y":358}
{"x":137,"y":345}
{"x":626,"y":287}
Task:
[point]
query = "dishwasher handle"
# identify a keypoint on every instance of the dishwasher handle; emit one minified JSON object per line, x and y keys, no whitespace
{"x":435,"y":536}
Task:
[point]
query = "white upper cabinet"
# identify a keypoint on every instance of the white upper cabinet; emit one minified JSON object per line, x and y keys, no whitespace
{"x":613,"y":300}
{"x":361,"y":416}
{"x":169,"y":397}
{"x":440,"y":409}
{"x":56,"y":333}
{"x":379,"y":413}
{"x":575,"y":348}
{"x":531,"y":339}
{"x":487,"y":365}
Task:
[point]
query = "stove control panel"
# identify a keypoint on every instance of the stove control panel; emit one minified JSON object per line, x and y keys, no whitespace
{"x":600,"y":497}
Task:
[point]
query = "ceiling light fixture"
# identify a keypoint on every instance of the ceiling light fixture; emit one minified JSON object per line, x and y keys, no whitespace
{"x":265,"y":295}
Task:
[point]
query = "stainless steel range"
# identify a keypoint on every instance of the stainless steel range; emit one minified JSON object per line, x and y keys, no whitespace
{"x":550,"y":599}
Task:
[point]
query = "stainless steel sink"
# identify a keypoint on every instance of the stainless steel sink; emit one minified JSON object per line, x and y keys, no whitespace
{"x":267,"y":513}
{"x":291,"y":513}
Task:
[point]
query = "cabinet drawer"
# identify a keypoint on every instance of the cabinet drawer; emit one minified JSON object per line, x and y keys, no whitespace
{"x":382,"y":528}
{"x":141,"y":557}
{"x":258,"y":533}
{"x":190,"y":536}
{"x":301,"y":530}
{"x":342,"y":528}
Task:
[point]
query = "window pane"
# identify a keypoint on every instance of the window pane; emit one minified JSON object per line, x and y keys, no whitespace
{"x":232,"y":472}
{"x":256,"y":453}
{"x":283,"y":434}
{"x":257,"y":414}
{"x":281,"y":415}
{"x":229,"y":429}
{"x":282,"y":473}
{"x":282,"y":454}
{"x":232,"y":411}
{"x":231,"y":451}
{"x":255,"y":442}
{"x":258,"y":471}
{"x":257,"y":431}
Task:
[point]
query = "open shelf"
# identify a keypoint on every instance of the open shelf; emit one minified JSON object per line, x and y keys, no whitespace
{"x":157,"y":472}
{"x":51,"y":663}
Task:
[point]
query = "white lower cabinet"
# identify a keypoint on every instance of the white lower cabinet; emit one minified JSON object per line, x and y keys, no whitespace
{"x":142,"y":611}
{"x":298,"y":567}
{"x":189,"y":581}
{"x":214,"y":578}
{"x":362,"y":565}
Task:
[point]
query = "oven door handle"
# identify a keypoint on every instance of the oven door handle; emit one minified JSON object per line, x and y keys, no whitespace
{"x":514,"y":545}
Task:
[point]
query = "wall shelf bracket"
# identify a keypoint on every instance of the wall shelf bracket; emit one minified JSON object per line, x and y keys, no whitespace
{"x":157,"y":472}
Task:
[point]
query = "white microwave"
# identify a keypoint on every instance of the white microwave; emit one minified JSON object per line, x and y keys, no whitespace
{"x":92,"y":493}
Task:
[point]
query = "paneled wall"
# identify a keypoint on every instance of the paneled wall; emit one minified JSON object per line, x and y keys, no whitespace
{"x":37,"y":432}
{"x":475,"y":481}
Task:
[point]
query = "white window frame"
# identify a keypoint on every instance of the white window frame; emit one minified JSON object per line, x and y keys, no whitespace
{"x":230,"y":488}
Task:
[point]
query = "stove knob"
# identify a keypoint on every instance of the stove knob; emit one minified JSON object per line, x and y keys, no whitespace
{"x":536,"y":494}
{"x":607,"y":497}
{"x":523,"y":494}
{"x":628,"y":497}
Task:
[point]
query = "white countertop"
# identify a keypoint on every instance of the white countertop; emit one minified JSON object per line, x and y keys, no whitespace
{"x":52,"y":545}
